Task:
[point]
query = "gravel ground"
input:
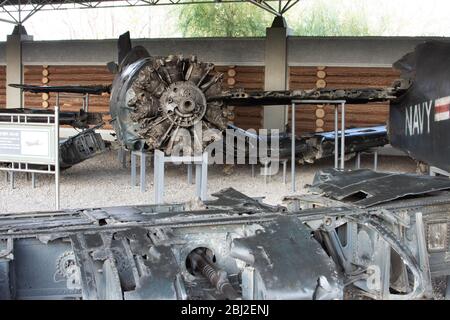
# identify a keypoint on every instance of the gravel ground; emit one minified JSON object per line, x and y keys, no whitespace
{"x":101,"y":181}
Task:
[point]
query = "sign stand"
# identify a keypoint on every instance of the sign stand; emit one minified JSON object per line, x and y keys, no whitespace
{"x":57,"y":202}
{"x":13,"y":127}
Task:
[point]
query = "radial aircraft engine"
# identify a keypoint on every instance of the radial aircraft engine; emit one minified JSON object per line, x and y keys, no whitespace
{"x":162,"y":102}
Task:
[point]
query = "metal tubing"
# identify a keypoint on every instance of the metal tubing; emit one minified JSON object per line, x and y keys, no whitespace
{"x":159,"y":176}
{"x":204,"y":179}
{"x":266,"y":164}
{"x":375,"y":161}
{"x":133,"y":169}
{"x":142,"y":175}
{"x":284,"y":171}
{"x":336,"y":132}
{"x":342,"y":135}
{"x":293,"y":148}
{"x":57,"y":204}
{"x":358,"y":160}
{"x":33,"y":180}
{"x":189,"y":173}
{"x":198,"y":180}
{"x":11,"y":179}
{"x":28,"y":170}
{"x":122,"y":157}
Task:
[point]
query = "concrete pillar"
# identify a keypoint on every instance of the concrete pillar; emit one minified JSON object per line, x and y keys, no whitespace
{"x":276,"y":71}
{"x":14,"y":67}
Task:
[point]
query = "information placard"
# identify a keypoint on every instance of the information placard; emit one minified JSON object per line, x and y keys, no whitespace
{"x":27,"y":143}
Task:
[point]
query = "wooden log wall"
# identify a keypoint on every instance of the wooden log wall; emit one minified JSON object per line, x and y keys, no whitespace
{"x":68,"y":75}
{"x":2,"y":86}
{"x":250,"y":79}
{"x":318,"y":118}
{"x":310,"y":118}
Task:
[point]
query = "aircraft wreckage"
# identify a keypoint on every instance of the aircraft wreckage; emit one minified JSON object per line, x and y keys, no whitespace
{"x":177,"y":105}
{"x":337,"y":242}
{"x":355,"y":234}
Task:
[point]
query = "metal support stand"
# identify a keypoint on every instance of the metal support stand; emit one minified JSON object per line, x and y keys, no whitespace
{"x":143,"y":158}
{"x":336,"y":104}
{"x":436,"y":171}
{"x":267,"y":171}
{"x":336,"y":141}
{"x":293,"y":147}
{"x":358,"y":160}
{"x":31,"y":177}
{"x":189,"y":173}
{"x":122,"y":155}
{"x":375,"y":160}
{"x":57,"y":203}
{"x":342,"y":134}
{"x":201,"y":173}
{"x":11,"y":179}
{"x":201,"y":178}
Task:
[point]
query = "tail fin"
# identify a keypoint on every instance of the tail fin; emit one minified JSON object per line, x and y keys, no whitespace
{"x":123,"y":46}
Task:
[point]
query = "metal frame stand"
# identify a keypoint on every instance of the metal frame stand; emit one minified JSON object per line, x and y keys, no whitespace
{"x":122,"y":156}
{"x":375,"y":159}
{"x":25,"y":166}
{"x":284,"y":161}
{"x":143,"y":158}
{"x":266,"y":170}
{"x":336,"y":104}
{"x":201,"y":173}
{"x":10,"y":178}
{"x":189,"y":173}
{"x":434,"y":171}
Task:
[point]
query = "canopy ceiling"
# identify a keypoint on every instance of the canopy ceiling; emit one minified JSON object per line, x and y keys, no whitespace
{"x":18,"y":11}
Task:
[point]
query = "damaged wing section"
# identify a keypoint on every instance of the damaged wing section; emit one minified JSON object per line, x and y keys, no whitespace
{"x":366,"y":188}
{"x":309,"y":148}
{"x":79,"y":119}
{"x":80,"y":147}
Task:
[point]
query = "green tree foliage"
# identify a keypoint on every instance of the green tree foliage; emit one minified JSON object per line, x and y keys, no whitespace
{"x":328,"y":18}
{"x":307,"y":18}
{"x":223,"y":20}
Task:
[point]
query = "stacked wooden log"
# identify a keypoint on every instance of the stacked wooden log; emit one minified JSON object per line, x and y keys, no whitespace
{"x":68,"y":75}
{"x":250,"y":78}
{"x":318,"y":118}
{"x":310,"y":118}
